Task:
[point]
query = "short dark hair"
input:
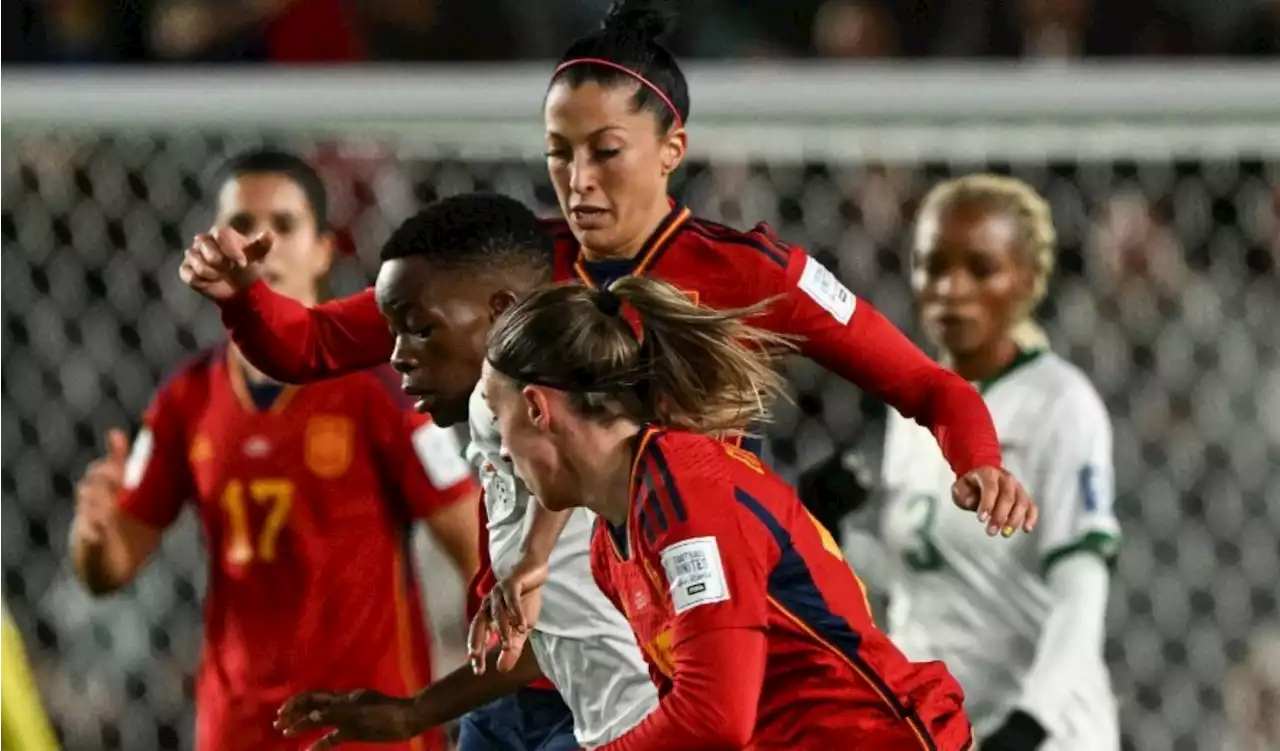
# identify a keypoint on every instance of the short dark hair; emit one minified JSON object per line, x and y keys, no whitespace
{"x":269,"y":160}
{"x":629,"y":38}
{"x":476,"y":231}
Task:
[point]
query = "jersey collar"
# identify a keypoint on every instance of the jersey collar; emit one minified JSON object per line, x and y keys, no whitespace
{"x":658,"y":242}
{"x":1023,"y":357}
{"x":240,"y":387}
{"x":621,"y":538}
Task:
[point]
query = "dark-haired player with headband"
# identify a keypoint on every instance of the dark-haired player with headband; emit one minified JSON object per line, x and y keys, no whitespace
{"x":615,"y":114}
{"x":756,"y":631}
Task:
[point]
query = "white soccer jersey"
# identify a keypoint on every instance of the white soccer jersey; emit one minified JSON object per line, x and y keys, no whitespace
{"x":583,"y":643}
{"x":979,"y":603}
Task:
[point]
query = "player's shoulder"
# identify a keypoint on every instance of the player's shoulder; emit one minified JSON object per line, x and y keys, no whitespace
{"x":759,"y":246}
{"x":686,"y":456}
{"x":190,"y":380}
{"x":1073,"y":395}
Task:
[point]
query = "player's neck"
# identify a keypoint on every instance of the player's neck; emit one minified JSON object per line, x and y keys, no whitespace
{"x":632,"y":247}
{"x":984,"y":363}
{"x":251,"y":374}
{"x":604,"y":469}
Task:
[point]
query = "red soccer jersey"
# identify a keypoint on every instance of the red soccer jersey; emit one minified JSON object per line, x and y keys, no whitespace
{"x":716,"y":266}
{"x":718,"y":553}
{"x":305,"y":508}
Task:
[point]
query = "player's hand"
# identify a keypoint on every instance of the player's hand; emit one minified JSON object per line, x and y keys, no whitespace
{"x":999,"y":500}
{"x":222,"y":262}
{"x":362,"y":715}
{"x":510,"y":610}
{"x":515,"y":605}
{"x":97,"y":490}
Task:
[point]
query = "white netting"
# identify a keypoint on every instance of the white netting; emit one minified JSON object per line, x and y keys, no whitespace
{"x":1167,"y":296}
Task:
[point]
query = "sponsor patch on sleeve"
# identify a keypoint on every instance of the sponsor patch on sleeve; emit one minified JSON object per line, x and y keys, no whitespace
{"x":441,"y":456}
{"x":695,"y":573}
{"x":826,"y":290}
{"x":139,"y":458}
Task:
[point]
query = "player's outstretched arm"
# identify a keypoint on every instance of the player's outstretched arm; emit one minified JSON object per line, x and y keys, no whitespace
{"x":108,"y":547}
{"x":282,"y":337}
{"x":852,"y":339}
{"x":367,"y":715}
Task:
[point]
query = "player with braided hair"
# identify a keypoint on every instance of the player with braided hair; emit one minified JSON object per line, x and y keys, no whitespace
{"x":983,"y":254}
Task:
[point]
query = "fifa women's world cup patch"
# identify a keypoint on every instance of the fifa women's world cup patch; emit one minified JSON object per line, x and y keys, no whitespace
{"x":330,"y":445}
{"x":826,"y":290}
{"x":695,"y":573}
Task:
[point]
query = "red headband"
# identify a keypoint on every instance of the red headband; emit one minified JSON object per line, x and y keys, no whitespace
{"x":623,"y":69}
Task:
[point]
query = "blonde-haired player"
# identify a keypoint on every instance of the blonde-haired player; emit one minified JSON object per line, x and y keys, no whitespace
{"x":983,"y":254}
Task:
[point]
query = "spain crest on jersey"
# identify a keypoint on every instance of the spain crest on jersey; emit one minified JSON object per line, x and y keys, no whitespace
{"x":330,"y":445}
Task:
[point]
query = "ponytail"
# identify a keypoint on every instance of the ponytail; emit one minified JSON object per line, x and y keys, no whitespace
{"x":642,"y":350}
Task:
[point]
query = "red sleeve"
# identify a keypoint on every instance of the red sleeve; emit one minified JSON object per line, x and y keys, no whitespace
{"x":421,"y":459}
{"x":715,"y":568}
{"x":712,"y":704}
{"x":296,"y":344}
{"x":852,"y":339}
{"x":157,"y":475}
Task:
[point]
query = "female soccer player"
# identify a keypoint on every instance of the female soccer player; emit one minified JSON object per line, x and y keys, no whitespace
{"x":755,"y":629}
{"x":984,"y":251}
{"x":615,"y":115}
{"x":305,"y":496}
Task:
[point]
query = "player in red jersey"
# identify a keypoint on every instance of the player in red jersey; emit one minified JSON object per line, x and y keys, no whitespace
{"x":615,"y":116}
{"x":756,"y":631}
{"x":305,"y":496}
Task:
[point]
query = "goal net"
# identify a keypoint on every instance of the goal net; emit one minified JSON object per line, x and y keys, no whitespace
{"x":1165,"y":186}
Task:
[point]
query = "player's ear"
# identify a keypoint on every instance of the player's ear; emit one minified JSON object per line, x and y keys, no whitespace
{"x":535,"y":402}
{"x":674,"y":146}
{"x":500,"y":302}
{"x":322,"y":259}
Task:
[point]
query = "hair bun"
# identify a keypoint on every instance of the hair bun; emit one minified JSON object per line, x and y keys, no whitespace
{"x":651,"y":20}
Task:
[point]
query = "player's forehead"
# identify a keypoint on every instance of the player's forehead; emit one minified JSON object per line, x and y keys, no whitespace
{"x":262,"y":193}
{"x":413,"y":283}
{"x":495,"y":388}
{"x":591,"y":110}
{"x":965,"y":228}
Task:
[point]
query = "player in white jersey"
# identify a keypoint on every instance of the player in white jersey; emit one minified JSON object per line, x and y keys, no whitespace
{"x":581,"y":641}
{"x":447,"y":274}
{"x":984,"y":251}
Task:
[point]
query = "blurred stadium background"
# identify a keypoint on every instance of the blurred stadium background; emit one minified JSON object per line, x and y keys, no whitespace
{"x":1164,"y":177}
